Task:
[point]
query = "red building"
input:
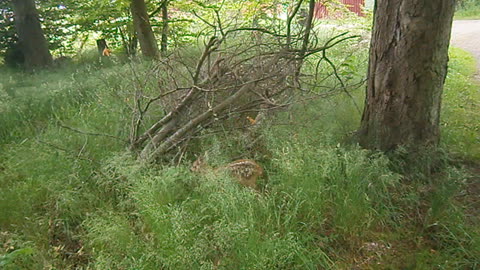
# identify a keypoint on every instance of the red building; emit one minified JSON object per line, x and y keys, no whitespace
{"x":332,"y":10}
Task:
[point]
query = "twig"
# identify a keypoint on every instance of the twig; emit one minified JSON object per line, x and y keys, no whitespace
{"x":344,"y":88}
{"x":219,"y":21}
{"x":289,"y":23}
{"x":212,"y":45}
{"x":68,"y":151}
{"x":158,"y":9}
{"x":258,"y":29}
{"x":203,"y":20}
{"x":92,"y":133}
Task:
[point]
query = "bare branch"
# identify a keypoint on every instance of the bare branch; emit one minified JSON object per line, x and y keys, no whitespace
{"x":177,"y":136}
{"x":289,"y":23}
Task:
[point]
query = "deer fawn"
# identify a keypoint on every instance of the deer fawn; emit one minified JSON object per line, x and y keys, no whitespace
{"x":245,"y":170}
{"x":106,"y":52}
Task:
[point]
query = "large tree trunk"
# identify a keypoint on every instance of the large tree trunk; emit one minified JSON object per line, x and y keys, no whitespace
{"x":148,"y":44}
{"x":407,"y":69}
{"x":32,"y":40}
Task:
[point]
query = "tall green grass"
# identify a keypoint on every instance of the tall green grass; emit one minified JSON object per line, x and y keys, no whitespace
{"x":70,"y":200}
{"x":181,"y":221}
{"x":29,"y":101}
{"x":461,"y":107}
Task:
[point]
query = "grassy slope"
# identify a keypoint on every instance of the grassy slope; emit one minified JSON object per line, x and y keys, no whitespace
{"x":70,"y":200}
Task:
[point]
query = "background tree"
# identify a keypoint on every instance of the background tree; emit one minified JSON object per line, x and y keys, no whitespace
{"x":30,"y":34}
{"x":164,"y":42}
{"x":407,"y":69}
{"x":70,"y":26}
{"x":141,"y":21}
{"x":112,"y":20}
{"x":58,"y":24}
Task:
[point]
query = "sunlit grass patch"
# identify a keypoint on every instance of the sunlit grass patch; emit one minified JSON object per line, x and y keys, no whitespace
{"x":461,"y":107}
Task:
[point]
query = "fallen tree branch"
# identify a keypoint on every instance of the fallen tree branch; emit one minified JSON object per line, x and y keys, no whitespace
{"x":148,"y":155}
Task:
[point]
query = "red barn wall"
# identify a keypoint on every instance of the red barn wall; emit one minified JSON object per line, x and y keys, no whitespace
{"x":355,"y":6}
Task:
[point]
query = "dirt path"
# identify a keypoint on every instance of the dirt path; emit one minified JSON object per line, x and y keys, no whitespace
{"x":466,"y":35}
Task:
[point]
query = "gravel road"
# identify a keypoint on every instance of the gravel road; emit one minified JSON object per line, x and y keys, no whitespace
{"x":466,"y":35}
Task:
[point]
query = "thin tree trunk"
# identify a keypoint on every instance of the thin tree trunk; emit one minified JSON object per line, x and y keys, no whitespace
{"x":306,"y":38}
{"x":164,"y":42}
{"x":289,"y":23}
{"x":129,"y":41}
{"x":407,"y":69}
{"x":101,"y":46}
{"x":32,"y":40}
{"x":132,"y":45}
{"x":148,"y":44}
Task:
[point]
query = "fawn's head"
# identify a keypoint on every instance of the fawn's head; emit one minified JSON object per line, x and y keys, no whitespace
{"x":199,"y":165}
{"x":246,"y":171}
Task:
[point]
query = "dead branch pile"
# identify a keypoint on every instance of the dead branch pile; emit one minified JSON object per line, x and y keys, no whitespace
{"x":240,"y":79}
{"x":242,"y":74}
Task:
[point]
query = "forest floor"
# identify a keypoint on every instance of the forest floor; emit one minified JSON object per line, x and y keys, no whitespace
{"x":466,"y":35}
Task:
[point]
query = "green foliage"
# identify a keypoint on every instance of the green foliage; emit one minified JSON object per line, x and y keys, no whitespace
{"x":9,"y":259}
{"x":56,"y":23}
{"x":10,"y":51}
{"x":467,"y":9}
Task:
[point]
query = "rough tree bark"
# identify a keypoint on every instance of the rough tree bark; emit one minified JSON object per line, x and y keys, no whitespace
{"x":407,"y":69}
{"x":148,"y":44}
{"x":30,"y":34}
